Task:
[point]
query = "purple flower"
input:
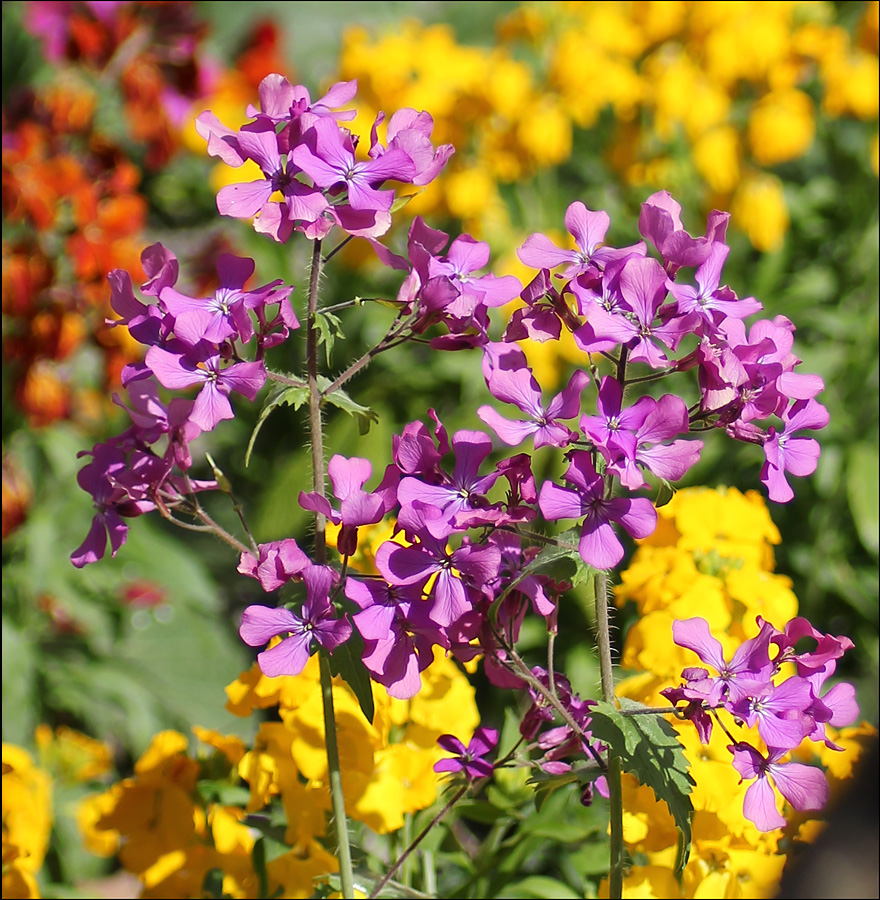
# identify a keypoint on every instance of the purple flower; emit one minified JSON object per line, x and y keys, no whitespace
{"x":599,"y":546}
{"x":804,"y":787}
{"x":330,"y":162}
{"x":642,"y":286}
{"x":398,"y":635}
{"x":660,"y":223}
{"x":710,"y":302}
{"x":202,"y":365}
{"x":458,"y":501}
{"x":224,"y":314}
{"x":468,"y":759}
{"x":513,"y":382}
{"x":747,"y":674}
{"x":259,"y":624}
{"x":588,"y":228}
{"x":787,"y":453}
{"x":348,"y":477}
{"x":278,"y":563}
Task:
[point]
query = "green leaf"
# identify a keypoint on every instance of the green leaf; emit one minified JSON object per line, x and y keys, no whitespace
{"x":400,"y":202}
{"x":329,"y":328}
{"x":664,"y":494}
{"x":338,"y":398}
{"x":346,"y":662}
{"x":539,"y":886}
{"x":212,"y":884}
{"x":650,"y":750}
{"x":862,"y":492}
{"x":280,"y":395}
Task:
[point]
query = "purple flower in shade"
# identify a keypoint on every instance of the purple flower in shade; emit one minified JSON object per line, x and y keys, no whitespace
{"x":348,"y":477}
{"x":710,"y":302}
{"x":468,"y":759}
{"x":467,"y":255}
{"x":224,"y":314}
{"x":747,"y":674}
{"x":102,"y":479}
{"x":278,"y":562}
{"x":599,"y":546}
{"x":642,"y":286}
{"x":330,"y":162}
{"x":317,"y":623}
{"x":588,"y":228}
{"x":457,"y":501}
{"x":151,"y":419}
{"x":201,"y":364}
{"x":398,"y":635}
{"x":660,"y":223}
{"x":786,"y":453}
{"x":513,"y":382}
{"x":542,"y":317}
{"x":804,"y":787}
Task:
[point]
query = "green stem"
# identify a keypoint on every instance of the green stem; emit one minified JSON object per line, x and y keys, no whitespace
{"x":316,"y":428}
{"x":615,"y":790}
{"x":316,"y":435}
{"x":343,"y":850}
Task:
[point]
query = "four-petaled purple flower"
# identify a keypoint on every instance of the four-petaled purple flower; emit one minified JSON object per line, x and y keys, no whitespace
{"x":317,"y":623}
{"x":468,"y":759}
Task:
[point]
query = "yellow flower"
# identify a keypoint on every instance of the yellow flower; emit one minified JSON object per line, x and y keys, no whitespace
{"x":27,"y":814}
{"x":758,"y":208}
{"x":296,"y":870}
{"x":782,"y":126}
{"x":716,"y":156}
{"x":230,"y":745}
{"x":89,"y":812}
{"x":71,"y":755}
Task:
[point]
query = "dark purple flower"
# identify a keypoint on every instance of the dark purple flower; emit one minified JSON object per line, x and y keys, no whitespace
{"x":469,"y":759}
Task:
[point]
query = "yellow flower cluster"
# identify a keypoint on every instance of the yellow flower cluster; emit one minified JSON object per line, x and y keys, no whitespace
{"x":711,"y":556}
{"x":715,"y":91}
{"x":171,"y":837}
{"x":66,"y":757}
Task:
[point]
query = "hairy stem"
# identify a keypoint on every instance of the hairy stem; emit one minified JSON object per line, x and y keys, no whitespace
{"x":316,"y":436}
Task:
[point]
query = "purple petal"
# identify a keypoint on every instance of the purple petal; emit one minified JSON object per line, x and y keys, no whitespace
{"x":259,"y":624}
{"x":287,"y":658}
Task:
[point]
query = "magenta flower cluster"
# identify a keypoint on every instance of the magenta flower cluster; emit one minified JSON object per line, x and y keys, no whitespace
{"x":458,"y":574}
{"x":786,"y":710}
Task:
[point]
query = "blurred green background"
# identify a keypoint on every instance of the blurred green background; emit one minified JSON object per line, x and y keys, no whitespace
{"x":769,"y":110}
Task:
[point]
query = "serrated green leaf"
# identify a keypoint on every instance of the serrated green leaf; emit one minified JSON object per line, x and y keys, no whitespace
{"x":650,"y":750}
{"x":346,"y":662}
{"x":338,"y":398}
{"x":329,"y":328}
{"x":280,"y":395}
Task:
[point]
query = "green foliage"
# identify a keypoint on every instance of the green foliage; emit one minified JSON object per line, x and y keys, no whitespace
{"x":650,"y":750}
